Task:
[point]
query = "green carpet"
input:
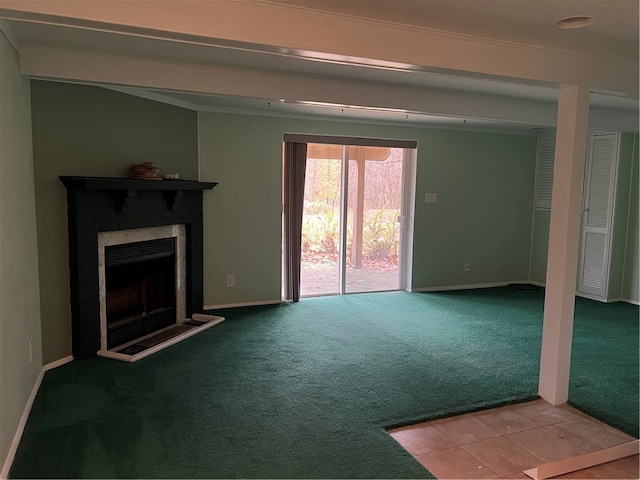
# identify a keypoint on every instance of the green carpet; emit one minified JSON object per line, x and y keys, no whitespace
{"x":305,"y":390}
{"x":604,"y":363}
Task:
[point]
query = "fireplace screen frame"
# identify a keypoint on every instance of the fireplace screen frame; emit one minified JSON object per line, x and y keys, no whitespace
{"x":119,"y":237}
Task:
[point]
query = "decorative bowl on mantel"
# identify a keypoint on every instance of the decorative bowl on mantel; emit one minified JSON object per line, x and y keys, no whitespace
{"x":145,"y":171}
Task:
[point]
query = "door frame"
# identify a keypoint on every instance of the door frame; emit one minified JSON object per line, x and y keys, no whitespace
{"x":406,"y":219}
{"x":407,"y":216}
{"x":409,"y":175}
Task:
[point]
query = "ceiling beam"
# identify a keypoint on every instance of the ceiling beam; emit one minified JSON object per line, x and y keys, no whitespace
{"x":333,"y":38}
{"x":53,"y":64}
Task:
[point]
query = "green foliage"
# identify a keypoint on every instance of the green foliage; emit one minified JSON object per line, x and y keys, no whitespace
{"x":381,"y":197}
{"x":381,"y":233}
{"x":321,"y":234}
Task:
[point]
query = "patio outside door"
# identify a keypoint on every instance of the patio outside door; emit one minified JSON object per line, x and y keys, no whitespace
{"x":352,"y":220}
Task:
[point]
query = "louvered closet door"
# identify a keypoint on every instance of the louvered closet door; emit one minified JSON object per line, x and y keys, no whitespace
{"x":600,"y":176}
{"x":544,"y":173}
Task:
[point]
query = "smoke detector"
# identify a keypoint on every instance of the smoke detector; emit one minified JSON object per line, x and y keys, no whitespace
{"x":577,"y":21}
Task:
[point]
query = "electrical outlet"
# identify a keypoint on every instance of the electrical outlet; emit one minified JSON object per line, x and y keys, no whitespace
{"x":31,"y":350}
{"x":230,"y":281}
{"x":467,"y":267}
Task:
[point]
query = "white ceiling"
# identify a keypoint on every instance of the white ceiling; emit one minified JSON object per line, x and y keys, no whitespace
{"x":530,"y":22}
{"x":414,"y":94}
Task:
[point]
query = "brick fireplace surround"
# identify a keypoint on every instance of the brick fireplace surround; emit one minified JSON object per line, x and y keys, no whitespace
{"x":97,"y":204}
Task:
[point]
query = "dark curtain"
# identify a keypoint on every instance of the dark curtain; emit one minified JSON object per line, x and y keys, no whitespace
{"x":295,"y":163}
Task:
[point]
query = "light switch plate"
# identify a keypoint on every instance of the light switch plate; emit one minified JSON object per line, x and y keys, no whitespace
{"x":430,"y":198}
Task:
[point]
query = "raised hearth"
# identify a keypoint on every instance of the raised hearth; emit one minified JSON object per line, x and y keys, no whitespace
{"x":103,"y":212}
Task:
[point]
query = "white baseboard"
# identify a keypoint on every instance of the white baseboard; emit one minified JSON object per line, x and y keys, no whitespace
{"x":607,"y":300}
{"x":4,"y":474}
{"x":628,"y":300}
{"x":529,"y":282}
{"x":586,"y":460}
{"x":593,"y":297}
{"x":58,"y":363}
{"x":625,"y":300}
{"x":613,"y":300}
{"x":472,"y":286}
{"x":242,"y":304}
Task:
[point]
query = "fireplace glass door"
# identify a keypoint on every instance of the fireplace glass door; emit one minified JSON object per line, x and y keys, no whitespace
{"x":140,"y":289}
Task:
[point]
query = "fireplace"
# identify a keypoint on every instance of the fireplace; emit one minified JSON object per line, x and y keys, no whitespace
{"x":140,"y":295}
{"x":141,"y":276}
{"x":135,"y":260}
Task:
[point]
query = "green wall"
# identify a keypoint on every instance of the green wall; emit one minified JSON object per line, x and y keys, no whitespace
{"x":631,"y":282}
{"x":621,"y":217}
{"x":540,"y":246}
{"x":91,"y":131}
{"x":19,"y":295}
{"x":483,"y":215}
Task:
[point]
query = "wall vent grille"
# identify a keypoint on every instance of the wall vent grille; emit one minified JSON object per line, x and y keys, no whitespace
{"x":139,"y":251}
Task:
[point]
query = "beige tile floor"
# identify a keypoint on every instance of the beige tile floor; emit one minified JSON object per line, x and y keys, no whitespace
{"x":502,"y":442}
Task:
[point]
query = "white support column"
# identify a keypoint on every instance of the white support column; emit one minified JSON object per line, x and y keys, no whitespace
{"x":564,"y":240}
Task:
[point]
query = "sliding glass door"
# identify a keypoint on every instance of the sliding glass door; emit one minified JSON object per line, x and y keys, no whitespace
{"x":352,"y":219}
{"x":374,"y":201}
{"x":321,"y":221}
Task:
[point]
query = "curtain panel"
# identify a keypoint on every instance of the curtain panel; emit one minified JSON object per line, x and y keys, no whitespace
{"x":295,"y":164}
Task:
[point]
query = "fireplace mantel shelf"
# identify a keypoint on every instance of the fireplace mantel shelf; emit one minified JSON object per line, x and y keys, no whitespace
{"x":123,"y":183}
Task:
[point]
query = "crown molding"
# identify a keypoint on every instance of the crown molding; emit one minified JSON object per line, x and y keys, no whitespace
{"x":6,"y":30}
{"x":408,"y":28}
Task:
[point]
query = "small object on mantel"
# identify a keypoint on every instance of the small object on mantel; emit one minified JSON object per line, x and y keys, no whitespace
{"x":145,"y":170}
{"x":172,"y":176}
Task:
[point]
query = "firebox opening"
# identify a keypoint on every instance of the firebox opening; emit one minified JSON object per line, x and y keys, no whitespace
{"x":140,"y":281}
